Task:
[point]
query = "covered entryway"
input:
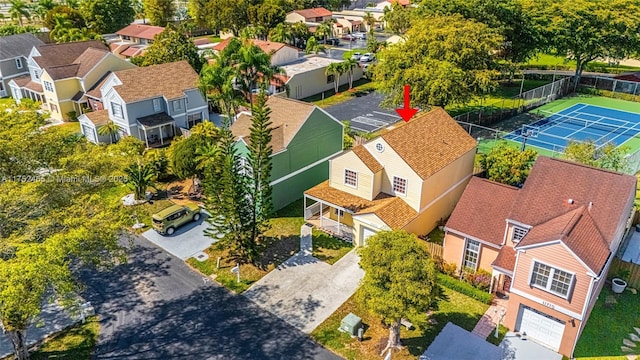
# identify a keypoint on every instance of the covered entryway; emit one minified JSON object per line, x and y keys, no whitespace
{"x":540,"y":327}
{"x":156,"y":129}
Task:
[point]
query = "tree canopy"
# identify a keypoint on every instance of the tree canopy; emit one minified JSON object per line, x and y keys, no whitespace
{"x":507,"y":164}
{"x":107,"y":16}
{"x":159,"y":12}
{"x":607,"y":156}
{"x":399,"y":281}
{"x":169,"y":46}
{"x":445,"y":60}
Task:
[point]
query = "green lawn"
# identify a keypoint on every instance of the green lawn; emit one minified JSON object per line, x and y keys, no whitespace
{"x":361,"y":87}
{"x":451,"y":306}
{"x":75,"y":343}
{"x":550,"y":62}
{"x":502,"y":98}
{"x":606,"y":328}
{"x":68,"y":128}
{"x":282,"y":241}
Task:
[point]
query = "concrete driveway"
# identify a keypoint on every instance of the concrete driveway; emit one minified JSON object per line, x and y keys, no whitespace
{"x":187,"y":241}
{"x":305,"y":291}
{"x":515,"y":347}
{"x":454,"y":342}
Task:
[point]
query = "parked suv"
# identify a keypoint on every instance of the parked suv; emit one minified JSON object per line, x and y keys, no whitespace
{"x":168,"y":220}
{"x":356,"y":56}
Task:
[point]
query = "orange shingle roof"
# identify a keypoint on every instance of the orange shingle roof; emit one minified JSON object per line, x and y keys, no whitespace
{"x":363,"y":154}
{"x":430,"y":141}
{"x":506,"y":259}
{"x":395,"y":212}
{"x":98,"y":118}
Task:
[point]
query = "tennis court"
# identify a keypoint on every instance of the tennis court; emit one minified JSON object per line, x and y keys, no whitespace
{"x":580,"y":122}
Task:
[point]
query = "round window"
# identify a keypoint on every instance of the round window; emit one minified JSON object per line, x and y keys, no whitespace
{"x":379,"y":147}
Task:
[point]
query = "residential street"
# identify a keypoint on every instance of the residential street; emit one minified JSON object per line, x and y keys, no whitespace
{"x":155,"y":307}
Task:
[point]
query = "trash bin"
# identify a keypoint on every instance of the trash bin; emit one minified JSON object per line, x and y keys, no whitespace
{"x":350,"y":324}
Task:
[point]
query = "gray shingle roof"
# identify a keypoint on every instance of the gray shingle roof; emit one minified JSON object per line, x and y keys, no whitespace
{"x":17,"y":45}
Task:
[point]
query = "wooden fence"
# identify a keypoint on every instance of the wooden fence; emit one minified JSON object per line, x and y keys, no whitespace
{"x":434,"y":249}
{"x":618,"y":265}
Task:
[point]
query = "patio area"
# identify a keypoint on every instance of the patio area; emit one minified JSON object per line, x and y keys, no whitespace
{"x":330,"y":219}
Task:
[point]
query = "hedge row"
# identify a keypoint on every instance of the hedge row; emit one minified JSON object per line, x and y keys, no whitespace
{"x":464,"y":288}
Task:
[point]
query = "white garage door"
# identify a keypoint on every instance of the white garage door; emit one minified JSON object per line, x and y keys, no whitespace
{"x":366,"y":233}
{"x":542,"y":328}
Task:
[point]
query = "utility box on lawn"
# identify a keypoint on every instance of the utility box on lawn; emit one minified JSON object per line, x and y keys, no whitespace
{"x":350,"y":324}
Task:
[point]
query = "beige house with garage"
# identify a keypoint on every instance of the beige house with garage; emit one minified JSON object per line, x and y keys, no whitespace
{"x":409,"y":178}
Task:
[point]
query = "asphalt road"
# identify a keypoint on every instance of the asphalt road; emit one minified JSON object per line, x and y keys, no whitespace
{"x":155,"y":307}
{"x":364,"y":112}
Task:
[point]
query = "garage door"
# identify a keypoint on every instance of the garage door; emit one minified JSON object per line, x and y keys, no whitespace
{"x":540,"y":327}
{"x":366,"y":233}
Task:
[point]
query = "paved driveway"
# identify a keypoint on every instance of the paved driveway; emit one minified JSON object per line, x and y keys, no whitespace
{"x":364,"y":113}
{"x":305,"y":291}
{"x":155,"y":307}
{"x":187,"y":241}
{"x":454,"y":342}
{"x":516,"y":348}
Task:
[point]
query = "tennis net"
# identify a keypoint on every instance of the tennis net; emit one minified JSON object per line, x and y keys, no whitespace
{"x":618,"y":126}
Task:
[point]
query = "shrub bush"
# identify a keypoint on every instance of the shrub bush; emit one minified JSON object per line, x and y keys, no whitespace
{"x":480,"y":279}
{"x":464,"y":288}
{"x":450,"y":269}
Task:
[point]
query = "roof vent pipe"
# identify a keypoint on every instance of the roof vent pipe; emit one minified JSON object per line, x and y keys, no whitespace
{"x":570,"y":201}
{"x":590,"y":205}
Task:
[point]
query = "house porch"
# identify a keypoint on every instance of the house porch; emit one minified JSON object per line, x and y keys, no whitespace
{"x":501,"y":283}
{"x":156,"y":130}
{"x":329,"y":218}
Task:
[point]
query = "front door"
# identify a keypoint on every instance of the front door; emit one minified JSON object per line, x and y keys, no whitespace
{"x":506,"y":284}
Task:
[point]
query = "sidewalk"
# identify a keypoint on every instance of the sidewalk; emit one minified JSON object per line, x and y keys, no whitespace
{"x":487,"y":323}
{"x":52,"y":319}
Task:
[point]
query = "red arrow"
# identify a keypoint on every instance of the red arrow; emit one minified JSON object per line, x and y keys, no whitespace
{"x":407,"y":112}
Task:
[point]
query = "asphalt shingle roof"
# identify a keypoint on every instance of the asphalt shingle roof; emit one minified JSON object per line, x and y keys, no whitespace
{"x":18,"y":45}
{"x":170,"y":80}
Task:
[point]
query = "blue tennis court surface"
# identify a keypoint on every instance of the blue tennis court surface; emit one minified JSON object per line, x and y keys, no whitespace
{"x":580,"y":122}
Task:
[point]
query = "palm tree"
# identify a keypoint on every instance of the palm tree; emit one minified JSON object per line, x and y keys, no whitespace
{"x":323,"y":30}
{"x":349,"y":66}
{"x":281,"y":33}
{"x":300,"y":33}
{"x":72,"y":3}
{"x":18,"y":10}
{"x":369,"y":19}
{"x":61,"y":25}
{"x":253,"y":64}
{"x":109,"y":129}
{"x":335,"y":69}
{"x":218,"y":85}
{"x":140,"y":177}
{"x":314,"y":47}
{"x":42,"y":7}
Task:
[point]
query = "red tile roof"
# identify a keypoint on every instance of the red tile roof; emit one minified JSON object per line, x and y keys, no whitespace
{"x":141,"y":31}
{"x":552,"y":182}
{"x":268,"y":47}
{"x":313,"y":13}
{"x":482,"y":210}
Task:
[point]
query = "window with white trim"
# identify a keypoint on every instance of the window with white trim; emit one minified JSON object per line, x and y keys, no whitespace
{"x":399,"y":186}
{"x":177,"y":105}
{"x":36,"y":74}
{"x":156,"y":104}
{"x":350,"y":178}
{"x":518,"y":233}
{"x":116,"y":109}
{"x":471,"y":254}
{"x":553,"y":280}
{"x":48,"y":86}
{"x":19,"y":63}
{"x":338,"y":212}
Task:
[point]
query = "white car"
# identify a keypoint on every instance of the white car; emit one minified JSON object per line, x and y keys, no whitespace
{"x":360,"y":35}
{"x":356,"y":56}
{"x":368,"y":57}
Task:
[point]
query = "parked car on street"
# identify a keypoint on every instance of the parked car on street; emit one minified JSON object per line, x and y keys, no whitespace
{"x":168,"y":220}
{"x":356,"y":56}
{"x":368,"y":57}
{"x":359,"y":35}
{"x":332,"y":41}
{"x":348,"y":37}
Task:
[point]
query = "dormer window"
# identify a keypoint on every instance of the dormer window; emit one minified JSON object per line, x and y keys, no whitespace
{"x":518,"y":233}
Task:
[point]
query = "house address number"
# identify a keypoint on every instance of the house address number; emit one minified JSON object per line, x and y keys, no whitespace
{"x":548,"y":304}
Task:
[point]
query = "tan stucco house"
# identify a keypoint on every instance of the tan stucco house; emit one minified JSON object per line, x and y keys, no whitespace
{"x":134,"y":39}
{"x":408,"y":178}
{"x":548,"y":245}
{"x":61,"y":74}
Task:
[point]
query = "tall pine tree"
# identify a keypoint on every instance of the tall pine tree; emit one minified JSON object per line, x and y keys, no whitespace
{"x":259,"y":161}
